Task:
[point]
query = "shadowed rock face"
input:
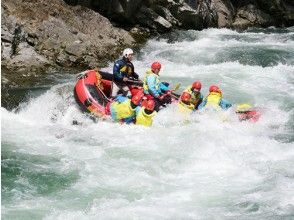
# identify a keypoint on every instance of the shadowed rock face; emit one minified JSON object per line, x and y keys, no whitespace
{"x":164,"y":15}
{"x":39,"y":36}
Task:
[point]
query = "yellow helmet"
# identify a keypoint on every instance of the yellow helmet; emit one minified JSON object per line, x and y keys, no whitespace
{"x":243,"y":107}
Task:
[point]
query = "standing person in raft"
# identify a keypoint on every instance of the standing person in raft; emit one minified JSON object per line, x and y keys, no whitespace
{"x":154,"y":89}
{"x":123,"y":70}
{"x":123,"y":109}
{"x":214,"y":99}
{"x":195,"y":97}
{"x":145,"y":114}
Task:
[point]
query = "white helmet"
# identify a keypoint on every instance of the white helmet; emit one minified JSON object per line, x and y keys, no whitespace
{"x":127,"y":52}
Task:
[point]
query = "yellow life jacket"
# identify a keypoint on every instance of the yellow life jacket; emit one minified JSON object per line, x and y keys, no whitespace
{"x":243,"y":107}
{"x":145,"y":83}
{"x":144,"y":119}
{"x":213,"y":99}
{"x":194,"y":98}
{"x":122,"y":110}
{"x":184,"y":108}
{"x":126,"y":69}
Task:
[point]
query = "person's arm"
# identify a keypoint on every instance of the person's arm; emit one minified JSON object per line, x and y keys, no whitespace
{"x":117,"y":74}
{"x":202,"y":104}
{"x":163,"y":87}
{"x":151,"y":80}
{"x":134,"y":74}
{"x":199,"y":102}
{"x":224,"y":104}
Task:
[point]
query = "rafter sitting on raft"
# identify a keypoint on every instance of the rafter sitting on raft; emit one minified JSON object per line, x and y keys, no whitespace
{"x":214,"y":99}
{"x":145,"y":114}
{"x":123,"y":109}
{"x":247,"y":112}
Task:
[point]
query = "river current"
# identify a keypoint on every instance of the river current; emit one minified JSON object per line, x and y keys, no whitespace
{"x":207,"y":166}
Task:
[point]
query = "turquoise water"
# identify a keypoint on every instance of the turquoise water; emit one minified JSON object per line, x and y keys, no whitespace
{"x":207,"y":166}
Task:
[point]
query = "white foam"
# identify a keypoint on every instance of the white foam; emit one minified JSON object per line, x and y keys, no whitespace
{"x":205,"y":166}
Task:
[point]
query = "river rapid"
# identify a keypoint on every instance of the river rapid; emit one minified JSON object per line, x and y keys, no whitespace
{"x":206,"y":166}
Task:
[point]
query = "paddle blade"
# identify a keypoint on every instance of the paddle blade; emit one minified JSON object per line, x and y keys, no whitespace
{"x":177,"y":87}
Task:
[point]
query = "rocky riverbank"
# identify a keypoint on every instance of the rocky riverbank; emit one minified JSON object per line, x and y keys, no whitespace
{"x":40,"y":36}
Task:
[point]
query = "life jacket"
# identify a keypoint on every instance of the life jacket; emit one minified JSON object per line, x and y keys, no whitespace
{"x":213,"y":100}
{"x":122,"y":68}
{"x":127,"y":70}
{"x":184,"y":108}
{"x":144,"y":119}
{"x":145,"y":82}
{"x":122,"y":111}
{"x":195,"y":98}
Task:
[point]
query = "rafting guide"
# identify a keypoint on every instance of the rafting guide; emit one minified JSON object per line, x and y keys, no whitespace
{"x":123,"y":71}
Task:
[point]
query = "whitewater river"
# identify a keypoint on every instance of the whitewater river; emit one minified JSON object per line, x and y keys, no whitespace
{"x":207,"y":166}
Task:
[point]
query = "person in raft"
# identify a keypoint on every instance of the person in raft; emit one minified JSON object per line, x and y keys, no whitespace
{"x":195,"y":96}
{"x":123,"y":109}
{"x":123,"y":70}
{"x":154,"y":88}
{"x":185,"y":105}
{"x":247,"y":112}
{"x":145,"y":114}
{"x":215,"y":99}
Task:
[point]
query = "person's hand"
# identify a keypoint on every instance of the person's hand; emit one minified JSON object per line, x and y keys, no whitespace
{"x":125,"y":79}
{"x":161,"y":97}
{"x":136,"y":76}
{"x":168,"y":92}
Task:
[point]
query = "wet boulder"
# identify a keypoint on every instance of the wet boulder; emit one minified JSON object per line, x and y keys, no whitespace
{"x":249,"y":16}
{"x":40,"y":34}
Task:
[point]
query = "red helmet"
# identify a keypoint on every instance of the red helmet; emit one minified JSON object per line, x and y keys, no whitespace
{"x":135,"y":90}
{"x":185,"y":97}
{"x":155,"y":66}
{"x":214,"y":88}
{"x":150,"y":105}
{"x":196,"y":85}
{"x":136,"y":99}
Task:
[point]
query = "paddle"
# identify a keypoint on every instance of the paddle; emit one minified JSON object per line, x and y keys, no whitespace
{"x":135,"y":82}
{"x":177,"y":87}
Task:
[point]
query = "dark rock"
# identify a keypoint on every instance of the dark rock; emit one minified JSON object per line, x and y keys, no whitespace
{"x":40,"y":34}
{"x":225,"y":13}
{"x":207,"y":13}
{"x":152,"y":20}
{"x":141,"y":34}
{"x":249,"y":16}
{"x":166,"y":14}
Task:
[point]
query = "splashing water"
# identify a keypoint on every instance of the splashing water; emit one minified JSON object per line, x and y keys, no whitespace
{"x":207,"y":166}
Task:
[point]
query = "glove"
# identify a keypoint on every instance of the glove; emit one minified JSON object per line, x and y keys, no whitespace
{"x":135,"y":75}
{"x":167,"y":99}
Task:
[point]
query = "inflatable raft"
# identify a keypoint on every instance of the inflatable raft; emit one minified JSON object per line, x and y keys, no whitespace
{"x":93,"y":92}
